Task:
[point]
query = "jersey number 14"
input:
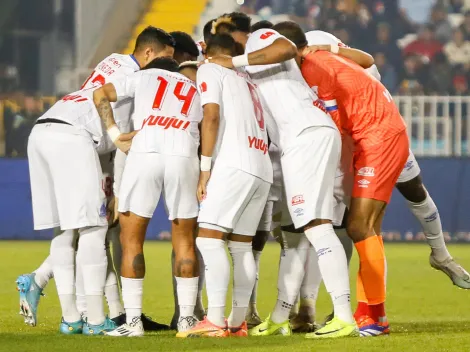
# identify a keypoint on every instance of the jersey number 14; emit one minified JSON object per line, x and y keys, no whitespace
{"x":187,"y":98}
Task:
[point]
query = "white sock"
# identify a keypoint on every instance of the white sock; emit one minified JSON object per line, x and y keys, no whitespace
{"x":92,"y":257}
{"x":427,"y":214}
{"x":217,"y":277}
{"x":333,"y":267}
{"x":200,"y":284}
{"x":291,"y":274}
{"x":310,"y":284}
{"x":80,"y":288}
{"x":111,"y":290}
{"x":186,"y":288}
{"x":62,"y":259}
{"x":244,"y":278}
{"x":44,"y":273}
{"x":132,"y":292}
{"x":346,"y":242}
{"x":254,"y":294}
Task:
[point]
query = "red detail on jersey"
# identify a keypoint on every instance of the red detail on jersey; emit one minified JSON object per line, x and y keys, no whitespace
{"x":321,"y":105}
{"x":74,"y":98}
{"x":258,"y":143}
{"x":203,"y":87}
{"x":186,"y":98}
{"x":161,"y":92}
{"x":166,"y":122}
{"x":96,"y":79}
{"x":299,"y":199}
{"x":257,"y":106}
{"x":266,"y":35}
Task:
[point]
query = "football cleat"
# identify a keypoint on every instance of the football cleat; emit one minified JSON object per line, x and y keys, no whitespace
{"x":205,"y":328}
{"x":101,"y":329}
{"x":369,"y":328}
{"x":303,"y":323}
{"x":328,"y":318}
{"x":253,"y":319}
{"x":241,"y":331}
{"x":150,"y":325}
{"x":75,"y":328}
{"x":268,"y":327}
{"x":134,"y":329}
{"x":30,"y":293}
{"x":454,"y":271}
{"x":334,"y":329}
{"x":186,"y":323}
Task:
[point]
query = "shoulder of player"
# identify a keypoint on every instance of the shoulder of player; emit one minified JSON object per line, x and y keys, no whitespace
{"x":122,"y":61}
{"x":317,"y":37}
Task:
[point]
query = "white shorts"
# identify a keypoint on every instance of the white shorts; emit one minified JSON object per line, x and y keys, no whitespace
{"x":235,"y":201}
{"x":411,"y":169}
{"x":309,"y":166}
{"x":147,"y":175}
{"x":344,"y":181}
{"x":65,"y":177}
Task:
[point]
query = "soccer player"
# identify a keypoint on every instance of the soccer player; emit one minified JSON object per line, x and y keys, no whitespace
{"x":236,"y":175}
{"x":151,"y":43}
{"x":363,"y":109}
{"x":310,"y":146}
{"x":185,"y":47}
{"x":163,"y":158}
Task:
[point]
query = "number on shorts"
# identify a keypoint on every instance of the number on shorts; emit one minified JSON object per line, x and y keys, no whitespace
{"x":97,"y":79}
{"x":187,"y":98}
{"x":257,"y":106}
{"x":388,"y":96}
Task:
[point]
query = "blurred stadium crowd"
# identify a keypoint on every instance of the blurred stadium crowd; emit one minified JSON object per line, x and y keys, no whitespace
{"x":421,"y":47}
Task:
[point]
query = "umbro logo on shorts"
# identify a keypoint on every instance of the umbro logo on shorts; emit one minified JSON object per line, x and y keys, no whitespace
{"x":363,"y":183}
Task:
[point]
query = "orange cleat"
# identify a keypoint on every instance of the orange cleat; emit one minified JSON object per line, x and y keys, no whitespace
{"x":205,"y":329}
{"x":241,"y":331}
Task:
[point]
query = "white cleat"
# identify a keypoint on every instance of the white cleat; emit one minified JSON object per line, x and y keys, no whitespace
{"x":186,"y":323}
{"x":134,"y":329}
{"x":454,"y":271}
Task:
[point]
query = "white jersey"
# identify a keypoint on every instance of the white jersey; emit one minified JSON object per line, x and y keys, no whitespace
{"x":284,"y":89}
{"x":242,"y":141}
{"x":320,"y":37}
{"x":113,"y":67}
{"x":167,"y":111}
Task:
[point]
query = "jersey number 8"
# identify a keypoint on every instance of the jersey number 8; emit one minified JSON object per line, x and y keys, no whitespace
{"x":257,"y":106}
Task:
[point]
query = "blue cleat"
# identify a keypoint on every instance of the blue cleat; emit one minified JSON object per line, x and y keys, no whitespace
{"x":108,"y":325}
{"x":75,"y":328}
{"x":30,"y":293}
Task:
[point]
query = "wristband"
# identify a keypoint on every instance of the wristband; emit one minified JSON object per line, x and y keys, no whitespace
{"x":335,"y":48}
{"x":114,"y":133}
{"x":206,"y":163}
{"x":240,"y":61}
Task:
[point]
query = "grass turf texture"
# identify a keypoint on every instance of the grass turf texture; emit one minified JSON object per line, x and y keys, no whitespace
{"x":427,"y":313}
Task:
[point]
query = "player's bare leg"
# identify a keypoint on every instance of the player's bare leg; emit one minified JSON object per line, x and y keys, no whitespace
{"x":364,"y":217}
{"x":423,"y":208}
{"x":211,"y":243}
{"x":185,"y":271}
{"x":133,"y":229}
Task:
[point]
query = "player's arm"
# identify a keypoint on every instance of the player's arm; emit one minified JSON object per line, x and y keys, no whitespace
{"x":103,"y":97}
{"x":358,"y":56}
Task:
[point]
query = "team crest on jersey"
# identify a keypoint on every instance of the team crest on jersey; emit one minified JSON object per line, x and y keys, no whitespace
{"x":299,"y":199}
{"x":366,"y":171}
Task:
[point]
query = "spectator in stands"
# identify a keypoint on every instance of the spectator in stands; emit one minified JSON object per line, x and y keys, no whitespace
{"x":460,"y":86}
{"x":458,"y":50}
{"x":458,"y":6}
{"x":385,"y":44}
{"x":442,"y":27}
{"x":387,"y":71}
{"x":465,"y":26}
{"x":426,"y":45}
{"x":412,"y":77}
{"x":439,"y":75}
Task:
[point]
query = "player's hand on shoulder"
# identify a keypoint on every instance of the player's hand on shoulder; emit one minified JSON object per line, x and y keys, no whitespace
{"x":314,"y":48}
{"x":124,"y":141}
{"x":204,"y":177}
{"x":222,"y":60}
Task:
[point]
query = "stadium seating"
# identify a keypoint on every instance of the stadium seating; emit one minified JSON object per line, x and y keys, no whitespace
{"x":164,"y":14}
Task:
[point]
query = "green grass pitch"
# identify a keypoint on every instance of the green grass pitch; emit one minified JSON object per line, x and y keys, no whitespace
{"x":426,"y":312}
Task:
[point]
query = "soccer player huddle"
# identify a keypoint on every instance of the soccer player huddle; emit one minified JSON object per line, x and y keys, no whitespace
{"x":274,"y":131}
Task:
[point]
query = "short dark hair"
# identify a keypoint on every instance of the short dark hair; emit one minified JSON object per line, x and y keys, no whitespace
{"x":241,"y":21}
{"x":261,"y":25}
{"x":153,"y":36}
{"x":223,"y":42}
{"x":293,"y":32}
{"x":163,"y":63}
{"x":184,"y":43}
{"x":207,"y":30}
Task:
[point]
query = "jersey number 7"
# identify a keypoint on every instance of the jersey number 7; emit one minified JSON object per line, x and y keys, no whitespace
{"x":187,"y":98}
